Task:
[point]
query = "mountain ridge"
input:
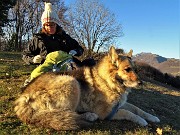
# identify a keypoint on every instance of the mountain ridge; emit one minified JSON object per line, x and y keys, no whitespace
{"x":165,"y":65}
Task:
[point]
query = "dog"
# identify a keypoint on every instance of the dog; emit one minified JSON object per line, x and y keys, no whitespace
{"x":74,"y":99}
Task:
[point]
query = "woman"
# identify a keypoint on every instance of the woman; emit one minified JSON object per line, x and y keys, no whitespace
{"x":51,"y":38}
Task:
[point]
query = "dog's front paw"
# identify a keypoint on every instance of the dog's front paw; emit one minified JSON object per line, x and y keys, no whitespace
{"x":142,"y":122}
{"x":151,"y":118}
{"x":90,"y":116}
{"x":154,"y":119}
{"x":139,"y":120}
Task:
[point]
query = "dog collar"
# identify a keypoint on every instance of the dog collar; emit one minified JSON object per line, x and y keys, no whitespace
{"x":113,"y":112}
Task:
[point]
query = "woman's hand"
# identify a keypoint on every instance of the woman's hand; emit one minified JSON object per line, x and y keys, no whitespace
{"x":37,"y":59}
{"x":72,"y":52}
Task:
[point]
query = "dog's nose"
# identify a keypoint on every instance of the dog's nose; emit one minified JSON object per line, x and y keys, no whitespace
{"x":140,"y":82}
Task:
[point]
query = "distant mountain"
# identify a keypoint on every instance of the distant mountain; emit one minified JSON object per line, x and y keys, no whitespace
{"x":165,"y":65}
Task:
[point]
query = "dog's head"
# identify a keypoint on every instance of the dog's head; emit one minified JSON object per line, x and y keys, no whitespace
{"x":122,"y":68}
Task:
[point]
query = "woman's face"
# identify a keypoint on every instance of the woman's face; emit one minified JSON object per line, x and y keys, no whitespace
{"x":50,"y":27}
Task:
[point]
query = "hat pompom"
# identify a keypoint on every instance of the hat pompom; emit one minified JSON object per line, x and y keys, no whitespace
{"x":49,"y":15}
{"x":48,"y":7}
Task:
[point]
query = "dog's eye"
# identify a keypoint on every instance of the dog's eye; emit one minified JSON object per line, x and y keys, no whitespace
{"x":128,"y":69}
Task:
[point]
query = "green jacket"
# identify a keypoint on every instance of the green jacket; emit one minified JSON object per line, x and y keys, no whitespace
{"x":57,"y":58}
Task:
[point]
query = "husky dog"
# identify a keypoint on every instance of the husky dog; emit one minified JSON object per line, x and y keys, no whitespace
{"x":73,"y":99}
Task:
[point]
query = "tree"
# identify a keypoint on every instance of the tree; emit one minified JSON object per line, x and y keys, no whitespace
{"x":5,"y":5}
{"x":26,"y":16}
{"x":92,"y":25}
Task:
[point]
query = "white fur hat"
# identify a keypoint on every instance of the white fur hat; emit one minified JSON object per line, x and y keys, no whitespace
{"x":49,"y":15}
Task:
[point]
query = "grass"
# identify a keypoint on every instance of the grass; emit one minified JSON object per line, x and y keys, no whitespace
{"x":156,"y":98}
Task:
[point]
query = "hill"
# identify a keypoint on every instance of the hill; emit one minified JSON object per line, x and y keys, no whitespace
{"x":165,"y":65}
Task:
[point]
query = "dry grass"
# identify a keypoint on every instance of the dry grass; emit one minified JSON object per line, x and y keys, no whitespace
{"x":154,"y":97}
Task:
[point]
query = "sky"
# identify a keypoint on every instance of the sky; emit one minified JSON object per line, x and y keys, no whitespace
{"x":148,"y":25}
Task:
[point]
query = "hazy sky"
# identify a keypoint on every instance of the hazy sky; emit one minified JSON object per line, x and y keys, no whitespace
{"x":148,"y":25}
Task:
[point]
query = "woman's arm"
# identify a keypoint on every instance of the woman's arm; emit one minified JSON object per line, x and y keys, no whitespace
{"x":32,"y":50}
{"x":73,"y":44}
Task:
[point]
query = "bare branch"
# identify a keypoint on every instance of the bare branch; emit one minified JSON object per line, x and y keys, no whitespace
{"x":92,"y":24}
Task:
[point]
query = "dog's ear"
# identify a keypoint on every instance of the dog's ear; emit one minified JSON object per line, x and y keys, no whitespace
{"x":113,"y":54}
{"x":130,"y":53}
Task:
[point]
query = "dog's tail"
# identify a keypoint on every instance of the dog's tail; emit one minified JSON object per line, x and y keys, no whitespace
{"x":56,"y":119}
